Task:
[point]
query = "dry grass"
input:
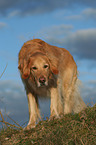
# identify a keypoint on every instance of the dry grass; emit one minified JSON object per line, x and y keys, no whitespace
{"x":3,"y":71}
{"x":78,"y":129}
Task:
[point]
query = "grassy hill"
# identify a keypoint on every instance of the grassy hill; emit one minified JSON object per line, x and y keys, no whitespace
{"x":78,"y":129}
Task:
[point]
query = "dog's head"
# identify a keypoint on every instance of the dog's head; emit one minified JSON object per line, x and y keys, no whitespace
{"x":39,"y":67}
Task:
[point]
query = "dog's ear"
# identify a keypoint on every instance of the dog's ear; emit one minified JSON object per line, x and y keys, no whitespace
{"x":54,"y":70}
{"x":20,"y":66}
{"x":24,"y":69}
{"x":53,"y":66}
{"x":25,"y":75}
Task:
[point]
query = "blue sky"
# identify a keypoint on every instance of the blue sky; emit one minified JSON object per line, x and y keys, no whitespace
{"x":70,"y":24}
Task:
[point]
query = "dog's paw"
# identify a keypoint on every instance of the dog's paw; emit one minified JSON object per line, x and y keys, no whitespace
{"x":54,"y":117}
{"x":30,"y":126}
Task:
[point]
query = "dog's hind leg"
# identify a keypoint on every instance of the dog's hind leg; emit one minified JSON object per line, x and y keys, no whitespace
{"x":68,"y":83}
{"x":72,"y":99}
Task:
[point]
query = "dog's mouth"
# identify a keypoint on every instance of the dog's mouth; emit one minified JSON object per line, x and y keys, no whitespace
{"x":42,"y":82}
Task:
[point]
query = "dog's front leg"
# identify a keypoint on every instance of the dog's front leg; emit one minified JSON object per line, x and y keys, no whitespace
{"x":54,"y":102}
{"x":34,"y":113}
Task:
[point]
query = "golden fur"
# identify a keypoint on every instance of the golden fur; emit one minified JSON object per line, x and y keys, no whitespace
{"x":48,"y":70}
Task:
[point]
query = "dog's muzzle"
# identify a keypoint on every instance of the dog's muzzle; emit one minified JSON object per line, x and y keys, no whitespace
{"x":42,"y":81}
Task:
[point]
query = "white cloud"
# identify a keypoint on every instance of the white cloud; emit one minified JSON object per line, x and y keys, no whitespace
{"x":14,"y":13}
{"x":89,"y":13}
{"x":2,"y":25}
{"x":86,"y":14}
{"x":57,"y":30}
{"x":73,"y":17}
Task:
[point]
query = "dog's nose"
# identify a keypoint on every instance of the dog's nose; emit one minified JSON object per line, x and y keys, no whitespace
{"x":42,"y":80}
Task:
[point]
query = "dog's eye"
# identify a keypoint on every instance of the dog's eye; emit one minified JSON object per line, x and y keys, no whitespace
{"x":34,"y":68}
{"x":45,"y":66}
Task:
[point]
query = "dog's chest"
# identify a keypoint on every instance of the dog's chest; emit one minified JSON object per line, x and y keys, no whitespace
{"x":42,"y":92}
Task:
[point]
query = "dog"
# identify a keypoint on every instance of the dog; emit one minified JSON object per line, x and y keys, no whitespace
{"x":48,"y":70}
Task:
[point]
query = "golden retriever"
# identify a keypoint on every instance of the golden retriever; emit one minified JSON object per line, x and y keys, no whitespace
{"x":48,"y":70}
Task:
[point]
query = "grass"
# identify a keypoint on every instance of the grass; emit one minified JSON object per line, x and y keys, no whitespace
{"x":78,"y":129}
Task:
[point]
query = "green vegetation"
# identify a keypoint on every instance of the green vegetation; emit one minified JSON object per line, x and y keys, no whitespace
{"x":78,"y":129}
